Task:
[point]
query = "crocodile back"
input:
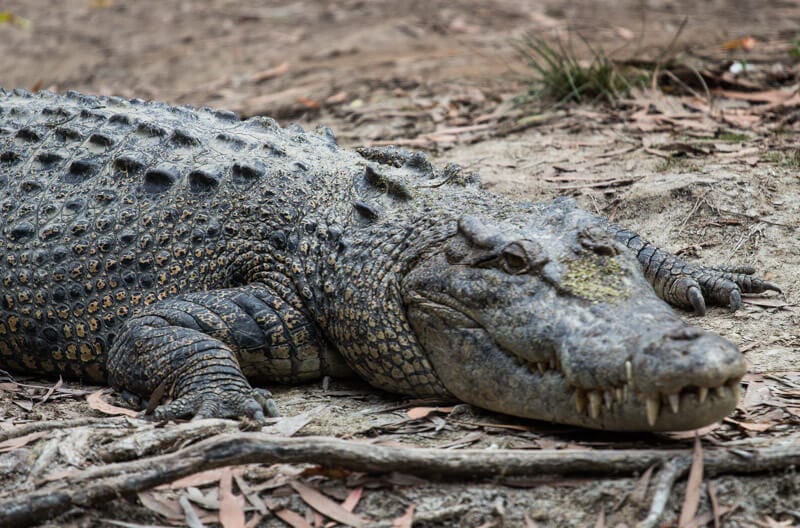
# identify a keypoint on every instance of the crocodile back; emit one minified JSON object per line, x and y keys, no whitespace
{"x":108,"y":205}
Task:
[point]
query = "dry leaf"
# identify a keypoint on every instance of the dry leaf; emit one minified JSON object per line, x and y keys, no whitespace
{"x":198,"y":479}
{"x":52,"y":389}
{"x":750,"y":426}
{"x":624,"y":33}
{"x":352,"y":499}
{"x":744,"y":43}
{"x":23,"y":404}
{"x":271,"y":73}
{"x":161,"y":505}
{"x":467,"y":440}
{"x":20,"y":441}
{"x":692,"y":499}
{"x":640,"y":489}
{"x":308,"y":103}
{"x":712,"y":497}
{"x":337,"y":98}
{"x":601,"y":519}
{"x":252,"y":496}
{"x":190,"y":515}
{"x":231,"y":507}
{"x":405,"y":520}
{"x":97,"y":403}
{"x":769,"y":522}
{"x":683,"y":435}
{"x":766,"y":302}
{"x":421,"y":412}
{"x":326,"y":506}
{"x":254,"y":521}
{"x":293,"y":519}
{"x":195,"y":480}
{"x":291,"y":425}
{"x":793,"y":410}
{"x":705,"y":518}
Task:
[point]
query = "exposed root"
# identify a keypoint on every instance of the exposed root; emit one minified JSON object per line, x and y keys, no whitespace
{"x":671,"y":472}
{"x":107,"y":482}
{"x":35,"y":427}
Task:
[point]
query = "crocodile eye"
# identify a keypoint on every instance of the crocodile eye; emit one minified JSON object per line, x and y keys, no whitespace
{"x":514,"y":260}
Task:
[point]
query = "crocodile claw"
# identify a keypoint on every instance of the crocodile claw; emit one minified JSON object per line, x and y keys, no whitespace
{"x":735,"y":300}
{"x":264,"y":397}
{"x":199,"y":405}
{"x":718,"y":286}
{"x":695,"y":296}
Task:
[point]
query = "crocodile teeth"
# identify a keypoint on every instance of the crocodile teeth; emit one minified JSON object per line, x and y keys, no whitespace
{"x":595,"y":401}
{"x":702,"y":392}
{"x":608,"y":399}
{"x":580,"y":400}
{"x":674,"y":403}
{"x":540,"y":366}
{"x":652,"y":405}
{"x":736,"y":390}
{"x":629,"y":371}
{"x":620,"y":395}
{"x":721,"y":391}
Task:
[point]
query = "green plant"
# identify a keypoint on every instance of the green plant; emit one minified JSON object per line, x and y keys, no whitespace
{"x":675,"y":164}
{"x":733,"y":137}
{"x":794,"y":52}
{"x":789,"y":159}
{"x":562,"y":77}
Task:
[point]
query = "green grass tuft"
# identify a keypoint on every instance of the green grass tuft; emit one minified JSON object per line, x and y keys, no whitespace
{"x":562,"y":77}
{"x":783,"y":159}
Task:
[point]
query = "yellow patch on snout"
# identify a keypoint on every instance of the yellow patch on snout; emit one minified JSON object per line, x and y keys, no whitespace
{"x":595,"y":278}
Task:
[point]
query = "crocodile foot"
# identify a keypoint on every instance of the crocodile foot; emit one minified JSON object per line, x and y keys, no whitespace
{"x":219,"y":402}
{"x":694,"y":286}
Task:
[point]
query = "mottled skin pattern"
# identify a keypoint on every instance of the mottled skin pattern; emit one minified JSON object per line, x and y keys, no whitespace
{"x":182,"y":255}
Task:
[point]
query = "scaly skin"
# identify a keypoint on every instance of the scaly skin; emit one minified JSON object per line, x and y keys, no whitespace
{"x":182,"y":254}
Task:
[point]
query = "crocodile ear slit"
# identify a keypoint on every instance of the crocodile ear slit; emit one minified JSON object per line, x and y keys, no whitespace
{"x":387,"y":183}
{"x":369,"y":212}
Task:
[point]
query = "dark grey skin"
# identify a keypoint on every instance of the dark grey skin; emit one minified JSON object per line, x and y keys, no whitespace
{"x":184,"y":256}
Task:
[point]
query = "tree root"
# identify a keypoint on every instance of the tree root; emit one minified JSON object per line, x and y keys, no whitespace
{"x":672,"y":471}
{"x":103,"y":483}
{"x":51,"y":425}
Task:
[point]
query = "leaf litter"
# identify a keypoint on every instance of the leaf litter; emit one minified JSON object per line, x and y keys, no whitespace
{"x":736,"y":104}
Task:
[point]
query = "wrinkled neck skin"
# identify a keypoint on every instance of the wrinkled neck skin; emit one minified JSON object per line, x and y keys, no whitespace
{"x":531,"y":310}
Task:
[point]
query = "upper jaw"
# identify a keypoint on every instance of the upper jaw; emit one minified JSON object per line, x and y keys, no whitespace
{"x":643,"y":387}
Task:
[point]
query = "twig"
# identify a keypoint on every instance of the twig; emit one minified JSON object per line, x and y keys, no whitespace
{"x":671,"y":471}
{"x":104,"y":483}
{"x":35,"y":427}
{"x":663,"y":57}
{"x":697,"y":204}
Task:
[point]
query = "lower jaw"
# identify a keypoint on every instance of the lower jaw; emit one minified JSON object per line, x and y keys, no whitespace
{"x":552,"y":400}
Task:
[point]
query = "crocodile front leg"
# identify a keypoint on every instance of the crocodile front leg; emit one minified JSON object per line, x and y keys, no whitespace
{"x":691,"y":285}
{"x":199,"y":349}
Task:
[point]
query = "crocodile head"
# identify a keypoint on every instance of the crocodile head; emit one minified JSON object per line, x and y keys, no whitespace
{"x":545,"y":316}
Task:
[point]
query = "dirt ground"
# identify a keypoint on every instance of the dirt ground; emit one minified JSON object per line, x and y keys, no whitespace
{"x":710,"y":175}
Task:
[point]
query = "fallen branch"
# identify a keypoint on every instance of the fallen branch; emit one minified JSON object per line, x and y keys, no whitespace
{"x":104,"y":483}
{"x":51,"y":425}
{"x":672,"y":471}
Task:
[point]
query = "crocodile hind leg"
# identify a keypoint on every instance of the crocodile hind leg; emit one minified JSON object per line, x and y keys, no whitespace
{"x":200,"y":349}
{"x":688,"y":285}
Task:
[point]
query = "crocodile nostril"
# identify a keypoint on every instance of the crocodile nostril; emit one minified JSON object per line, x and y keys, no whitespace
{"x":597,"y":240}
{"x":685,"y":334}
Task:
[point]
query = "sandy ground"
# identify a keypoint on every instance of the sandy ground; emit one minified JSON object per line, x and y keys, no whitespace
{"x":383,"y":71}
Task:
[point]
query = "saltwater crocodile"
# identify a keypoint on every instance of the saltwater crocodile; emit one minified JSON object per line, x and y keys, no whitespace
{"x":181,"y":254}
